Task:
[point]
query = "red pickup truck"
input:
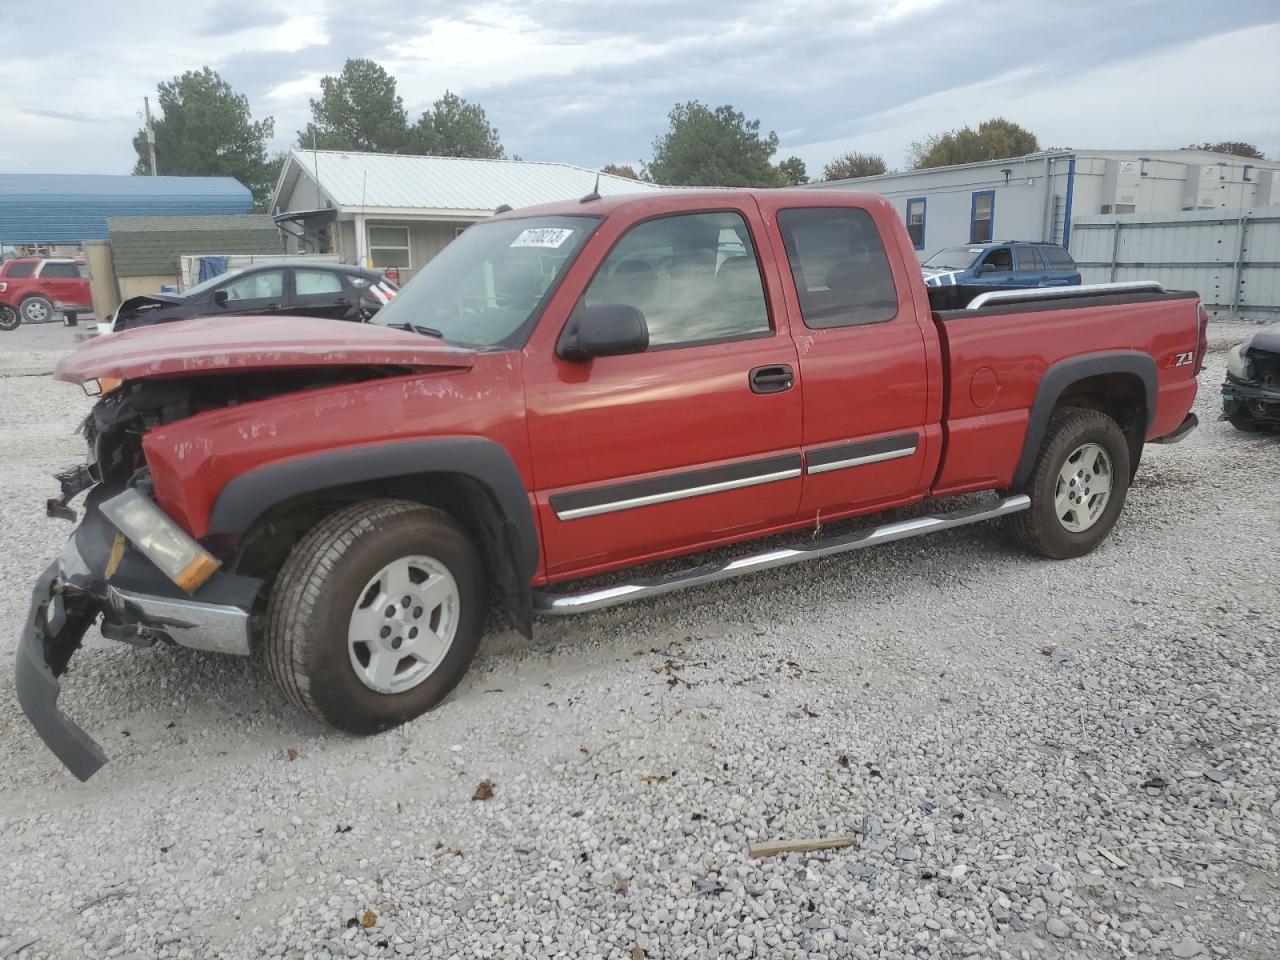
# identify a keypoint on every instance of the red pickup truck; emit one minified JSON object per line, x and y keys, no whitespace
{"x":564,"y":391}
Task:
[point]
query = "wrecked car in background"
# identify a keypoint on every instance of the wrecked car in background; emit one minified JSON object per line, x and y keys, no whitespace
{"x":1251,"y":392}
{"x":328,"y":291}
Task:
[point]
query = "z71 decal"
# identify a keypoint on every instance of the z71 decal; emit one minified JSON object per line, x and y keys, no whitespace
{"x":1181,"y":359}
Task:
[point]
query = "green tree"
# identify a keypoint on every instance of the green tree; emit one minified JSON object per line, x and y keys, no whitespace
{"x":848,"y":166}
{"x":621,"y":170}
{"x":205,"y":130}
{"x":358,"y":109}
{"x":792,"y":173}
{"x":1236,"y":148}
{"x":713,"y":148}
{"x":453,"y":127}
{"x":994,"y":139}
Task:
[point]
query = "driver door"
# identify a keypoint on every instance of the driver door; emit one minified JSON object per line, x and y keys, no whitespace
{"x":694,"y":441}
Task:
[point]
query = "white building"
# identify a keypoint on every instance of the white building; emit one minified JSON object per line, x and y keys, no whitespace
{"x":1037,"y":197}
{"x":391,"y":210}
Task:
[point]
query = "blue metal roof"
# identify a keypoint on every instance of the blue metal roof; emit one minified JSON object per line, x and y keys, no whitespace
{"x":69,"y":208}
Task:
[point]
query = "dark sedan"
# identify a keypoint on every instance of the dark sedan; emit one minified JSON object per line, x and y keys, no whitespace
{"x":1251,"y":393}
{"x":328,"y":291}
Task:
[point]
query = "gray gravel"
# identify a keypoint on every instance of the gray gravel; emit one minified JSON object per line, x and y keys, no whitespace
{"x":1039,"y":759}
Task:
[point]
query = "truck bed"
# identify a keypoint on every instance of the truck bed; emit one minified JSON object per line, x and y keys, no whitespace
{"x":996,"y":358}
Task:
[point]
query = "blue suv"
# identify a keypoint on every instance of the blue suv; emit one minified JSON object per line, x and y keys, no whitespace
{"x":980,"y":267}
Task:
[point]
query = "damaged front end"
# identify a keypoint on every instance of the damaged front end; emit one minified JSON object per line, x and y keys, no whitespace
{"x":1251,"y":392}
{"x":116,"y":570}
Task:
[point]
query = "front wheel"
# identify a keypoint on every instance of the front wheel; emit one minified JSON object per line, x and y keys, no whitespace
{"x":376,"y":615}
{"x":9,"y":319}
{"x":1077,"y":486}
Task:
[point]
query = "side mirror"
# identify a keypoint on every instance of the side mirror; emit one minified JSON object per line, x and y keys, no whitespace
{"x":220,"y":298}
{"x":987,"y":268}
{"x":603,"y":330}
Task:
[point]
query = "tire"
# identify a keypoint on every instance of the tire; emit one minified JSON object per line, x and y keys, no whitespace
{"x":36,"y":310}
{"x":1057,"y":525}
{"x":9,"y":318}
{"x":324,"y":588}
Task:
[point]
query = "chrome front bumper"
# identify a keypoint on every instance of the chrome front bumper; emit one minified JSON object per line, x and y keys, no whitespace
{"x":67,"y":599}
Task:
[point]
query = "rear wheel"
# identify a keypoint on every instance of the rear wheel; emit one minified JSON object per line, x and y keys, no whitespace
{"x":36,"y":310}
{"x":1077,"y":486}
{"x":376,"y":615}
{"x":9,"y":319}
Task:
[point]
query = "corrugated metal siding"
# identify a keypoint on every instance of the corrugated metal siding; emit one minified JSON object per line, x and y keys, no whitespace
{"x":152,"y":246}
{"x":57,"y":208}
{"x":1230,"y":257}
{"x":391,"y":181}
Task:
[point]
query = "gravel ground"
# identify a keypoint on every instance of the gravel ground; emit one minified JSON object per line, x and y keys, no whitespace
{"x":1037,"y":759}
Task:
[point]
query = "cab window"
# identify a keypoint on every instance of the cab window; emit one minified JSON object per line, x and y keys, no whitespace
{"x":841,"y":272}
{"x":694,"y":277}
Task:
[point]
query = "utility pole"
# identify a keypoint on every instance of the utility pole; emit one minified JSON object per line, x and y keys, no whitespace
{"x":151,"y":134}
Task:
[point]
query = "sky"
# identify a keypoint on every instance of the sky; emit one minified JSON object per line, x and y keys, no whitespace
{"x":592,"y":82}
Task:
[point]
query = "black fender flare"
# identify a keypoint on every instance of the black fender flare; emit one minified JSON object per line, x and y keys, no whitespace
{"x":1062,"y":375}
{"x":247,"y":497}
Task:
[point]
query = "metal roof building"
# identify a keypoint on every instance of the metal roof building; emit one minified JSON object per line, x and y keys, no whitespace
{"x":152,"y":246}
{"x":71,"y":208}
{"x":393,"y":210}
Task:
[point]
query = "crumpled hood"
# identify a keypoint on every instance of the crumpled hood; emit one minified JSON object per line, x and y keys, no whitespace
{"x":233,"y":344}
{"x":1268,"y":339}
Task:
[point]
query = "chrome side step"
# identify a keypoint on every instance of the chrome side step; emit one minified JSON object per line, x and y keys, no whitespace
{"x":566,"y":603}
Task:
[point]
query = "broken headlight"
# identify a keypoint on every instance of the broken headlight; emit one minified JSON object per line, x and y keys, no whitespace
{"x":1238,"y":365}
{"x":160,"y":540}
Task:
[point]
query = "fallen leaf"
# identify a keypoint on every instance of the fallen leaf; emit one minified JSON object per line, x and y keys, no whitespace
{"x":655,"y":778}
{"x":484,"y":791}
{"x":292,"y":754}
{"x":576,"y":813}
{"x":343,"y":829}
{"x":843,"y":760}
{"x":695,"y":816}
{"x":368,"y":919}
{"x":638,"y":954}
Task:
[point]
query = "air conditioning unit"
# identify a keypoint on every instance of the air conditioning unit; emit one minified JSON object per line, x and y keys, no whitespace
{"x":1202,"y":190}
{"x":1121,"y":186}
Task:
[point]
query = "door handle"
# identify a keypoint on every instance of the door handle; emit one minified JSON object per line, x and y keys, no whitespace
{"x":774,"y":378}
{"x":273,"y":306}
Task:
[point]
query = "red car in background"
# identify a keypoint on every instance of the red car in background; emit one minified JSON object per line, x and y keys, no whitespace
{"x":35,"y":289}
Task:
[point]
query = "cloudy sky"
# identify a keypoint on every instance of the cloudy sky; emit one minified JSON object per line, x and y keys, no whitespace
{"x":591,"y":82}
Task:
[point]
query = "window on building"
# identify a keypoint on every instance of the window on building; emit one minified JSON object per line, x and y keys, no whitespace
{"x":1028,"y":260}
{"x":841,"y":272}
{"x":982,"y":215}
{"x":915,"y":221}
{"x":1247,"y":173}
{"x":389,"y":247}
{"x":693,"y":276}
{"x":60,"y":271}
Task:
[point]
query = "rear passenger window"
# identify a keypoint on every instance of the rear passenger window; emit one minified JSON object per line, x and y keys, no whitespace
{"x":1058,"y":258}
{"x":1028,"y":259}
{"x":841,"y":272}
{"x":315,"y":283}
{"x":17,"y":270}
{"x":693,"y":276}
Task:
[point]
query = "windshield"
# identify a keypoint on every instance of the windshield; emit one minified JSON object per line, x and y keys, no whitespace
{"x":953,"y":258}
{"x":200,"y":288}
{"x":483,"y":288}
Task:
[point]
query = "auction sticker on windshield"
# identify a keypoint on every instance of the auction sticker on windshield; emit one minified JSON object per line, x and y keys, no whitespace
{"x":542,"y":237}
